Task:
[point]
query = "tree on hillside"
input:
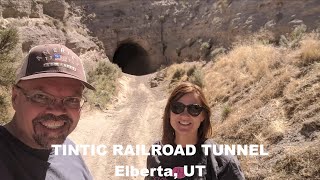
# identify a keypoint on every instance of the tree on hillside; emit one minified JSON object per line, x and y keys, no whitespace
{"x":8,"y":42}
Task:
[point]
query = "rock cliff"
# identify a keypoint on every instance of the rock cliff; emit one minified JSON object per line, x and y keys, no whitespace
{"x":142,"y":35}
{"x":175,"y":30}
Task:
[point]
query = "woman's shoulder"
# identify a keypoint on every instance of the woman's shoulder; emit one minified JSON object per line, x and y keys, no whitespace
{"x":226,"y":166}
{"x":223,"y":159}
{"x":209,"y":141}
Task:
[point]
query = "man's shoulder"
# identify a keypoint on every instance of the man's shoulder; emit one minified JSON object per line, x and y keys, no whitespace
{"x":68,"y":141}
{"x":4,"y":171}
{"x":61,"y":165}
{"x":2,"y":135}
{"x":3,"y":132}
{"x":5,"y":139}
{"x":62,"y":150}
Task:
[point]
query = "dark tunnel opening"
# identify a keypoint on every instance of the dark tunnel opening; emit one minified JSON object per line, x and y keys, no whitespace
{"x":132,"y":59}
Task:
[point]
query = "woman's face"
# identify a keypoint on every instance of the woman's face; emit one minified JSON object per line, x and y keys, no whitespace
{"x":185,"y":123}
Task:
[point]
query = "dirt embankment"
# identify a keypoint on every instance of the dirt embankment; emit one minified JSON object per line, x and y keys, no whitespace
{"x":135,"y":119}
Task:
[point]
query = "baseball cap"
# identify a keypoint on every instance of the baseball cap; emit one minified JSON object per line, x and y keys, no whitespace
{"x":52,"y":60}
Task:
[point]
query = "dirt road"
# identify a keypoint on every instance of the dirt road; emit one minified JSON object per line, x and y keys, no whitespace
{"x":135,"y":119}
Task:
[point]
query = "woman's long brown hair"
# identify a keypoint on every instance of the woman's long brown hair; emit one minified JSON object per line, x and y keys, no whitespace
{"x":204,"y":131}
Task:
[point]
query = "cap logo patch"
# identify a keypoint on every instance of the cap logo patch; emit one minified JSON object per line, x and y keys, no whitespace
{"x":57,"y":56}
{"x":57,"y":64}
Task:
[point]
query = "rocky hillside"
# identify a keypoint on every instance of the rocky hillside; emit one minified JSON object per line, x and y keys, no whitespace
{"x":166,"y":31}
{"x":263,"y":90}
{"x":142,"y":35}
{"x":261,"y":93}
{"x":44,"y":21}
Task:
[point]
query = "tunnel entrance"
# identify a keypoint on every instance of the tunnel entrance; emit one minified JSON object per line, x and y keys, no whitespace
{"x":132,"y":59}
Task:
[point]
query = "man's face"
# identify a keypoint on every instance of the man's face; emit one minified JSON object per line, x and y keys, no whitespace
{"x":37,"y":125}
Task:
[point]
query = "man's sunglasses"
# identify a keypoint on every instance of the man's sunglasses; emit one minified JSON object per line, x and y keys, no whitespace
{"x":193,"y":109}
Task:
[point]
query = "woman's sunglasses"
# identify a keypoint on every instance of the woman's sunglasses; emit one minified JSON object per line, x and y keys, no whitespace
{"x":193,"y":109}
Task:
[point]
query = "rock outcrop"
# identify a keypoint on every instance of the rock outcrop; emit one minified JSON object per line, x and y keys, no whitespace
{"x":47,"y":21}
{"x":173,"y":30}
{"x":142,"y":35}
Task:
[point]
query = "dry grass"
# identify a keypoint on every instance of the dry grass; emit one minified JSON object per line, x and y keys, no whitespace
{"x":8,"y":57}
{"x":178,"y":73}
{"x":299,"y":162}
{"x":3,"y":110}
{"x":169,"y":72}
{"x":309,"y":50}
{"x":244,"y":66}
{"x":265,"y":94}
{"x":273,"y":95}
{"x":6,"y":110}
{"x":103,"y":77}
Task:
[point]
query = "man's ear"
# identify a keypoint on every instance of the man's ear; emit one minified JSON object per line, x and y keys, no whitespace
{"x":14,"y":95}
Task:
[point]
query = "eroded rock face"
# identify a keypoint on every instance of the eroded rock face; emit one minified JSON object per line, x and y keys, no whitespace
{"x":49,"y":21}
{"x":56,"y":8}
{"x":15,"y":9}
{"x":172,"y":30}
{"x":167,"y":30}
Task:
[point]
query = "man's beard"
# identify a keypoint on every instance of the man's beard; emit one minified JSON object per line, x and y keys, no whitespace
{"x":43,"y":138}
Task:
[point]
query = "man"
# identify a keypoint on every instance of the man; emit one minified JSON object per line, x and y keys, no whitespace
{"x":47,"y":99}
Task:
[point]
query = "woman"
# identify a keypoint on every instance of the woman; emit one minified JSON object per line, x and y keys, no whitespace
{"x":186,"y":121}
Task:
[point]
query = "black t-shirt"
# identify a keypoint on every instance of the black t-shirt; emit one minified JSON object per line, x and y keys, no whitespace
{"x":20,"y":162}
{"x":216,"y":167}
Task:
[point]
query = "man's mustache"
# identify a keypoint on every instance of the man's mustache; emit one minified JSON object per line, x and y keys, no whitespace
{"x":47,"y":117}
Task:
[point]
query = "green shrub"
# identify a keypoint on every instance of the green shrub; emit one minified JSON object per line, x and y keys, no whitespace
{"x":294,"y":37}
{"x":225,"y":112}
{"x":191,"y":70}
{"x":8,"y":42}
{"x":298,"y":32}
{"x":205,"y":49}
{"x":309,"y":48}
{"x":162,"y":18}
{"x":3,"y":111}
{"x":103,"y":78}
{"x":178,"y":74}
{"x":4,"y":118}
{"x":214,"y":53}
{"x":195,"y":76}
{"x":177,"y":77}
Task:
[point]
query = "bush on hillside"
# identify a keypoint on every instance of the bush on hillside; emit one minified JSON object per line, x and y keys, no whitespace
{"x":8,"y":41}
{"x":184,"y":73}
{"x":205,"y":49}
{"x":178,"y":74}
{"x":3,"y":108}
{"x":310,"y":50}
{"x":195,"y":76}
{"x":292,"y":40}
{"x":103,"y":78}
